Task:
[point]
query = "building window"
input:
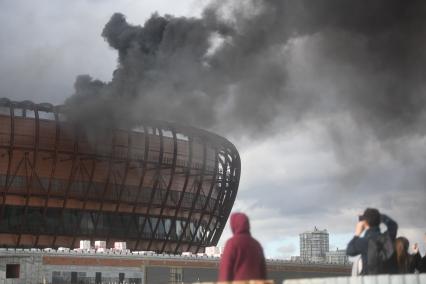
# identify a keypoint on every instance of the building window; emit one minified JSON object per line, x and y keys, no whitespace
{"x":176,"y":275}
{"x":12,"y":270}
{"x":120,"y":278}
{"x":74,"y":277}
{"x":98,"y":278}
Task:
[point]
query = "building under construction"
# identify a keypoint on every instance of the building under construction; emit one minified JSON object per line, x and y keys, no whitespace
{"x":314,"y":245}
{"x":63,"y":266}
{"x":159,"y":187}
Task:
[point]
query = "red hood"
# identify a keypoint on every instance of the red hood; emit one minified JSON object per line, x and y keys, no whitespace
{"x":240,"y":224}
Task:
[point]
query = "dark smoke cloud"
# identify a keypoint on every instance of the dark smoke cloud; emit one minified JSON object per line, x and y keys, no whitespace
{"x":229,"y":69}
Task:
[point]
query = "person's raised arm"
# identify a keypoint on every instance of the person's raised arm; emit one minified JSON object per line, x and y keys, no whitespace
{"x":415,"y":258}
{"x":390,"y":224}
{"x":357,"y":245}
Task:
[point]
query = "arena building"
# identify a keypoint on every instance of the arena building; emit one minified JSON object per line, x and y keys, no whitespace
{"x":160,"y":187}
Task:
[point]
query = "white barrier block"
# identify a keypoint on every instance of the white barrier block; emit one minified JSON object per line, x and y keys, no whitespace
{"x":371,"y":279}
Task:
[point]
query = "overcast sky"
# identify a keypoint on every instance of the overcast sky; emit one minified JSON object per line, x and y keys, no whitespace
{"x":320,"y":169}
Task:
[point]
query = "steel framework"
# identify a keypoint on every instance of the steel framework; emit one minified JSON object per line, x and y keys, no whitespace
{"x":162,"y":186}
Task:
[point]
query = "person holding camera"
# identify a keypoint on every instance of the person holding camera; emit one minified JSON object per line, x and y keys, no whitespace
{"x":375,"y":248}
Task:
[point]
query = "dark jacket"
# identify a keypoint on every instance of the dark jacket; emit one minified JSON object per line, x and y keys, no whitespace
{"x":422,"y":265}
{"x":413,"y":263}
{"x":243,"y":257}
{"x":359,"y":245}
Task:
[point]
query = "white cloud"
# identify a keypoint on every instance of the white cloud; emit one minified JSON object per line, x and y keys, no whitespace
{"x":294,"y":181}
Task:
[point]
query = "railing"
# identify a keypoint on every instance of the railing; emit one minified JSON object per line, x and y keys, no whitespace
{"x":11,"y":252}
{"x":373,"y":279}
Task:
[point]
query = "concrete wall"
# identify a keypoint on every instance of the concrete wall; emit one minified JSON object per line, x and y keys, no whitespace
{"x":279,"y":276}
{"x":159,"y":275}
{"x":379,"y":279}
{"x":87,"y":274}
{"x":199,"y":274}
{"x":29,"y":269}
{"x":63,"y":267}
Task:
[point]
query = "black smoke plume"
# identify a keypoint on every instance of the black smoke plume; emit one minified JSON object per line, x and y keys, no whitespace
{"x":234,"y":70}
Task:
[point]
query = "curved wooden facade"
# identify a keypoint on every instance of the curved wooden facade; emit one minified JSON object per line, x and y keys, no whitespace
{"x":161,"y":187}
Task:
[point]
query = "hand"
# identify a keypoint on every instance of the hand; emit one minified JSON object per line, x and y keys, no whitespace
{"x":360,"y":227}
{"x":415,"y":248}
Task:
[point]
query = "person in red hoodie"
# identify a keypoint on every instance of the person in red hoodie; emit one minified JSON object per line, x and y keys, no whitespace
{"x":242,"y":257}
